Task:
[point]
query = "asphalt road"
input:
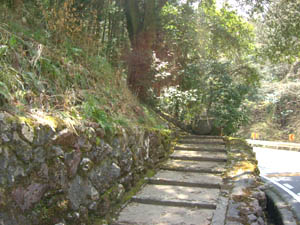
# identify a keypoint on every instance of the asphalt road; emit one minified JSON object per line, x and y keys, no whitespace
{"x":281,"y":168}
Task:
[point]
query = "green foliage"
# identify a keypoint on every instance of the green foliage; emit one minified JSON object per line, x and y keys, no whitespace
{"x":217,"y":94}
{"x":181,"y":26}
{"x":4,"y":91}
{"x":203,"y":53}
{"x":202,"y":41}
{"x":3,"y":50}
{"x":279,"y":31}
{"x":92,"y":111}
{"x":225,"y":101}
{"x":55,"y":78}
{"x":206,"y":33}
{"x":227,"y":33}
{"x":12,"y":42}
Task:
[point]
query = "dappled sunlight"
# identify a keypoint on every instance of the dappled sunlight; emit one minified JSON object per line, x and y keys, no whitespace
{"x":168,"y":193}
{"x":199,"y":145}
{"x":54,"y":121}
{"x":190,"y":176}
{"x":194,"y":164}
{"x":164,"y":215}
{"x":198,"y":154}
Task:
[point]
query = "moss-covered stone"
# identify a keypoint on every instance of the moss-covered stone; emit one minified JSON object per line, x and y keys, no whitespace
{"x":50,"y":173}
{"x":247,"y":201}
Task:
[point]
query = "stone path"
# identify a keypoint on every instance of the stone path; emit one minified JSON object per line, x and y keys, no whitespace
{"x":186,"y":191}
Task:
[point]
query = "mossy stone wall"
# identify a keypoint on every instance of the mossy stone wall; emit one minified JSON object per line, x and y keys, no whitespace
{"x":50,"y":174}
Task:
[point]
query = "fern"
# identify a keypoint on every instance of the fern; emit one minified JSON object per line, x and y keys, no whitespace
{"x":4,"y":91}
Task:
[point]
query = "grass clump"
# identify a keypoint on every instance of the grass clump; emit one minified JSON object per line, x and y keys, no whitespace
{"x":51,"y":61}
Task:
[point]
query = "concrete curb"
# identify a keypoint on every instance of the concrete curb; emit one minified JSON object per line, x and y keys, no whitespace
{"x":219,"y":217}
{"x":279,"y":208}
{"x":246,"y":199}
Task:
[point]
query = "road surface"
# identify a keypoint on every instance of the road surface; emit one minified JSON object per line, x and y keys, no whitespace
{"x":281,"y":168}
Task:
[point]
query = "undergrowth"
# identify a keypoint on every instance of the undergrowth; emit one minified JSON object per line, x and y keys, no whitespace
{"x":58,"y":67}
{"x":276,"y":115}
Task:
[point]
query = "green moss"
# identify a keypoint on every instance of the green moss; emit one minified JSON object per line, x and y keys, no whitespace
{"x":127,"y":196}
{"x":150,"y":173}
{"x":47,"y":211}
{"x":98,"y":141}
{"x":243,"y":158}
{"x":237,"y":143}
{"x":137,"y":187}
{"x":133,"y":191}
{"x":11,"y":118}
{"x":162,"y":131}
{"x":107,"y":194}
{"x":51,"y":121}
{"x":30,"y":122}
{"x":3,"y":196}
{"x":99,"y":221}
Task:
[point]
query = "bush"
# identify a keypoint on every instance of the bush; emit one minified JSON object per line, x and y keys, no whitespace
{"x":214,"y":94}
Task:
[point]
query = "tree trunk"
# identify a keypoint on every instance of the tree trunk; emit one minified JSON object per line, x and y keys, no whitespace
{"x":142,"y":17}
{"x":139,"y":66}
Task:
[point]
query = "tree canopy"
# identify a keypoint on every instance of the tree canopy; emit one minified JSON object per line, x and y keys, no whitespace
{"x":280,"y":32}
{"x":189,"y":58}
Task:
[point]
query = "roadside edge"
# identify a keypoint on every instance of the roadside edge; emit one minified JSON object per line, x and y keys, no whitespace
{"x":281,"y":210}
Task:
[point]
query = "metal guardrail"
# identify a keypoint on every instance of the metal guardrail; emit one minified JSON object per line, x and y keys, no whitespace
{"x":275,"y":144}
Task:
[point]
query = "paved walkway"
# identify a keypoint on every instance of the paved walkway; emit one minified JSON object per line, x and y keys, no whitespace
{"x":186,"y":191}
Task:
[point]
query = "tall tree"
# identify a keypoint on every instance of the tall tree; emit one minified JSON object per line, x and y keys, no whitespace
{"x":279,"y":35}
{"x":142,"y":25}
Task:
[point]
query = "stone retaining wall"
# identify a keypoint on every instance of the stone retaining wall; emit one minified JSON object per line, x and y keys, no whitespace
{"x":50,"y":175}
{"x":247,"y":201}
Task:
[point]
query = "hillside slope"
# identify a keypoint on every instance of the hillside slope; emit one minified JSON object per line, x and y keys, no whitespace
{"x":75,"y":143}
{"x":275,"y":111}
{"x":45,"y":73}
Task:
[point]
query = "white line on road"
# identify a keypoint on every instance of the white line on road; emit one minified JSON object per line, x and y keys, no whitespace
{"x":288,"y":186}
{"x":296,"y":197}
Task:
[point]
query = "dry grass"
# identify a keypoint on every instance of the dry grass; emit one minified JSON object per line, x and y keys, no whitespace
{"x":63,"y":74}
{"x":278,"y":116}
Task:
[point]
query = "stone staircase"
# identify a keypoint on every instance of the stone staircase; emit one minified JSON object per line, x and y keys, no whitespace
{"x":188,"y":189}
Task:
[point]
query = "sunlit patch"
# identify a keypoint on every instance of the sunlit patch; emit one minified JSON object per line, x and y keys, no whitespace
{"x":43,"y":118}
{"x":242,"y":167}
{"x":63,"y":204}
{"x":283,"y":175}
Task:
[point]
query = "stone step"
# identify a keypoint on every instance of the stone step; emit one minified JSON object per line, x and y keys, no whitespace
{"x":202,"y":137}
{"x":194,"y":166}
{"x":206,"y":142}
{"x":175,"y":203}
{"x":201,"y":146}
{"x":144,"y":214}
{"x":185,"y":191}
{"x":165,"y":177}
{"x":178,"y":196}
{"x":182,"y":183}
{"x":199,"y":156}
{"x":204,"y":148}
